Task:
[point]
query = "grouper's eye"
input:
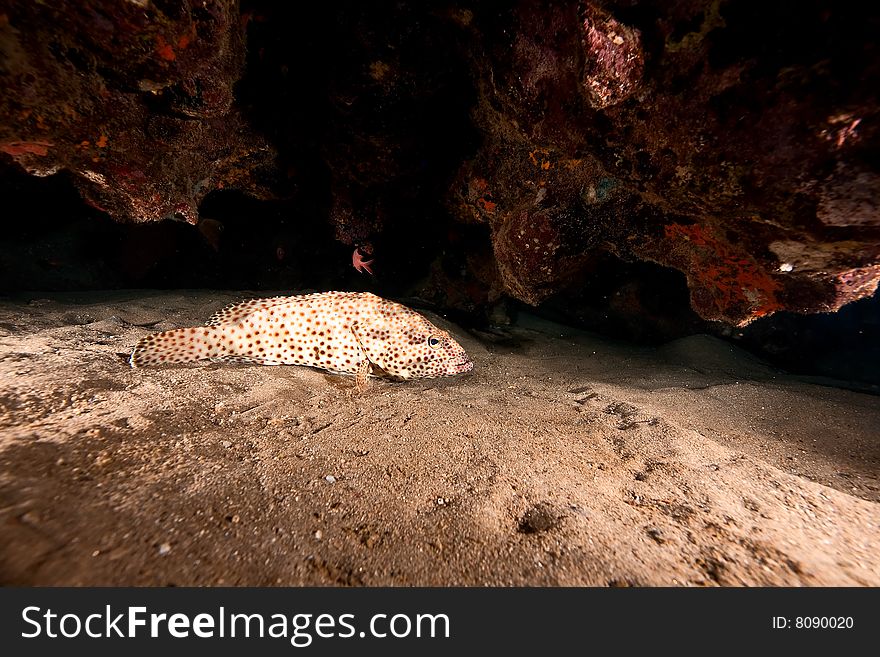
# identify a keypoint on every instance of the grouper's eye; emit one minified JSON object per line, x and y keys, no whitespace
{"x":433,"y":342}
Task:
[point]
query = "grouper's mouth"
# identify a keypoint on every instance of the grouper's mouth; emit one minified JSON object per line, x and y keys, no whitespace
{"x":461,"y":366}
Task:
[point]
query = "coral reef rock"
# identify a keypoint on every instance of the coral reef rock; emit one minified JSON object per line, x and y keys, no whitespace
{"x":134,"y":98}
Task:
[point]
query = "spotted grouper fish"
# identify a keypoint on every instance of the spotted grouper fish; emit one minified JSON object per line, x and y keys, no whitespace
{"x":343,"y":332}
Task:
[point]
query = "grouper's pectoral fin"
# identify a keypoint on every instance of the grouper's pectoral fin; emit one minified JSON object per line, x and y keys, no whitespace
{"x":360,"y":379}
{"x":367,"y":362}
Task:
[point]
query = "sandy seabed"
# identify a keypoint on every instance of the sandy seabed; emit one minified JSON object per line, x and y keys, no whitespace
{"x":562,"y":459}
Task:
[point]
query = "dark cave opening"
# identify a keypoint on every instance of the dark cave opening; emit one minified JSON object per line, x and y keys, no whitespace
{"x":255,"y":245}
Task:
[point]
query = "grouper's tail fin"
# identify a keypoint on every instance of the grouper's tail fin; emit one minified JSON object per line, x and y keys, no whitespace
{"x":178,"y":346}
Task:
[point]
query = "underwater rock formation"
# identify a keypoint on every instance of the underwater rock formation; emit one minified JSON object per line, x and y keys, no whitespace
{"x":134,"y":98}
{"x":735,"y":142}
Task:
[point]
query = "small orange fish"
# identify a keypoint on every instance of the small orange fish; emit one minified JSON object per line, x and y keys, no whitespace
{"x":358,"y":262}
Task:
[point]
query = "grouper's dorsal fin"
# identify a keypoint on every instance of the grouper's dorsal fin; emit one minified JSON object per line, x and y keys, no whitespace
{"x":234,"y":313}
